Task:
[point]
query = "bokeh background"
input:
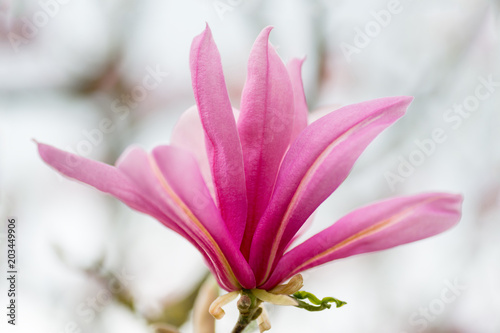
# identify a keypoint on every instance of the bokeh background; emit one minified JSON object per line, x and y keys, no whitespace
{"x":87,"y":263}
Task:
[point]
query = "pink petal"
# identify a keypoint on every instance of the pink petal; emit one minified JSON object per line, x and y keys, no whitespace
{"x":315,"y":165}
{"x":373,"y":228}
{"x":182,"y":175}
{"x":173,"y":179}
{"x":303,"y":229}
{"x":135,"y":163}
{"x":300,"y":105}
{"x":139,"y":195}
{"x":265,"y":126}
{"x":222,"y":141}
{"x":103,"y":177}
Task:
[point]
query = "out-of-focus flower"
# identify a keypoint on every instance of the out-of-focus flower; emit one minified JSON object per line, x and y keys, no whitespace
{"x":240,"y":184}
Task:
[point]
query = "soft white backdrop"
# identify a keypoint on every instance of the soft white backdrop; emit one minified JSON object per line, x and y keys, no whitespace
{"x":63,"y":79}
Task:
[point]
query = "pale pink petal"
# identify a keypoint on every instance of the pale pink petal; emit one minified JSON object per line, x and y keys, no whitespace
{"x":189,"y":134}
{"x":265,"y":126}
{"x":315,"y":165}
{"x":373,"y":228}
{"x":300,"y":114}
{"x":221,"y":135}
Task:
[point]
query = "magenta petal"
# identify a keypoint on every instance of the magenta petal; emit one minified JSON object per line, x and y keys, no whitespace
{"x":372,"y":228}
{"x":300,"y":105}
{"x":222,"y":141}
{"x":183,"y":183}
{"x":315,"y":165}
{"x":303,"y":229}
{"x":265,"y":126}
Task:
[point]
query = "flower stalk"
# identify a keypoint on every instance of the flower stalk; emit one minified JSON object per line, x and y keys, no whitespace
{"x":249,"y":308}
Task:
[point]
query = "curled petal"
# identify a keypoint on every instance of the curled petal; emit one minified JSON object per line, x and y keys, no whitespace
{"x":295,"y":284}
{"x":216,"y":307}
{"x":263,"y":320}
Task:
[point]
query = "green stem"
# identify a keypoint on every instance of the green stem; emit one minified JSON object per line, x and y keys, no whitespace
{"x":317,"y":304}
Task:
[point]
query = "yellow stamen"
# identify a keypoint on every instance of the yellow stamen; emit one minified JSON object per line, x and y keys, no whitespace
{"x":273,"y":298}
{"x":295,"y":284}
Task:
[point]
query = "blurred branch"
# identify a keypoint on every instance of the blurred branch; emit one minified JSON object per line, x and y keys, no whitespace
{"x":176,"y":312}
{"x":204,"y":322}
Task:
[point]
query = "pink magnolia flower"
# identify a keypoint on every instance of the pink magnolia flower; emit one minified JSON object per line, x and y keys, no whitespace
{"x":239,"y":185}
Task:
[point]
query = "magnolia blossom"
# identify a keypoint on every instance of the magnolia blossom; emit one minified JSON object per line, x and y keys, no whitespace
{"x":240,"y":184}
